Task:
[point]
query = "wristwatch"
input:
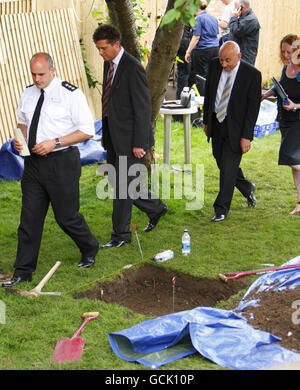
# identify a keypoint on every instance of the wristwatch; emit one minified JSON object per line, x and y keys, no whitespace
{"x":57,"y":143}
{"x":295,"y":108}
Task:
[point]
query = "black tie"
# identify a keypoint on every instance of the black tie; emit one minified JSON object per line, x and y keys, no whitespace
{"x":35,"y":121}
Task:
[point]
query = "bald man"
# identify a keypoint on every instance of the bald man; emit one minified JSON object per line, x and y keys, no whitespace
{"x":231,"y":107}
{"x":54,"y":117}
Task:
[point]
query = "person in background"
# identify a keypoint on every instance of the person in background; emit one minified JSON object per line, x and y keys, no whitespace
{"x":244,"y":30}
{"x":203,"y":47}
{"x":53,"y":115}
{"x":289,"y":114}
{"x":224,"y":20}
{"x":127,"y":132}
{"x":231,"y":107}
{"x":183,"y":68}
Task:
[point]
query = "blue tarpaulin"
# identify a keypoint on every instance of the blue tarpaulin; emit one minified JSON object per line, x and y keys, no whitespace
{"x":12,"y":164}
{"x":222,"y":336}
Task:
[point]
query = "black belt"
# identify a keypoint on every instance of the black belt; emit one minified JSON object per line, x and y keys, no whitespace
{"x":55,"y":154}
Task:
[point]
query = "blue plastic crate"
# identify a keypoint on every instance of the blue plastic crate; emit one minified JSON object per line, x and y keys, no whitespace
{"x":263,"y":130}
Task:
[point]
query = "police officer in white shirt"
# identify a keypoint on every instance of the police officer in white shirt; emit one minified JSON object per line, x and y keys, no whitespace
{"x":52,"y":171}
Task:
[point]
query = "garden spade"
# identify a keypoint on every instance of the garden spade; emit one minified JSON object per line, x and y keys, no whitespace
{"x":71,"y":349}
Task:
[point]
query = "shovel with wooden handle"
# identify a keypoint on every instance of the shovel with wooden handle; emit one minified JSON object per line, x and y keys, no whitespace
{"x":71,"y":349}
{"x":36,"y":291}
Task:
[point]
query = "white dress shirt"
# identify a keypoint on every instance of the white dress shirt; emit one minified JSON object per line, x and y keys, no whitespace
{"x":65,"y":110}
{"x":222,"y":83}
{"x":116,"y":61}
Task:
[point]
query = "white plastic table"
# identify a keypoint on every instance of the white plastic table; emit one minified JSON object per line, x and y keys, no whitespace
{"x":186,"y":113}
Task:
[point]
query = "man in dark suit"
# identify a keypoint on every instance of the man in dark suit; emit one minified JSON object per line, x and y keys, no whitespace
{"x":231,"y":107}
{"x":127,"y":131}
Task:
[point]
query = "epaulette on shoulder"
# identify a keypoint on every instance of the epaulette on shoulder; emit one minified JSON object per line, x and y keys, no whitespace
{"x":69,"y":86}
{"x":29,"y":86}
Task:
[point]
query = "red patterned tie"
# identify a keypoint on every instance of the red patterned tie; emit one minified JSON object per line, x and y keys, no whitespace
{"x":107,"y":89}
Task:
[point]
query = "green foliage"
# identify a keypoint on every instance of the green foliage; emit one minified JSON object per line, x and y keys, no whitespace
{"x":247,"y":239}
{"x":184,"y":10}
{"x":142,"y":23}
{"x":91,"y":78}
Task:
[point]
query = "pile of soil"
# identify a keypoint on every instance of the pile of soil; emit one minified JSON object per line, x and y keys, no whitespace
{"x":278,"y":312}
{"x":149,"y":290}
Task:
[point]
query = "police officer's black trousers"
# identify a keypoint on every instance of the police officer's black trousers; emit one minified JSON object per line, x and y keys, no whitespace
{"x":53,"y":179}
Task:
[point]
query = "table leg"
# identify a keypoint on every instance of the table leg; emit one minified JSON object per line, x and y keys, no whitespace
{"x":167,"y":138}
{"x":187,"y":137}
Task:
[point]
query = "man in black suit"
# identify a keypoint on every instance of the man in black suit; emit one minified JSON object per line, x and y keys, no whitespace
{"x":127,"y":131}
{"x":231,"y":107}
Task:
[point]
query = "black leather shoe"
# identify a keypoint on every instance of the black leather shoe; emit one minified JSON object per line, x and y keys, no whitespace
{"x":251,"y":198}
{"x":218,"y":218}
{"x":115,"y":244}
{"x":87,"y":261}
{"x":154,"y":221}
{"x":17,"y":279}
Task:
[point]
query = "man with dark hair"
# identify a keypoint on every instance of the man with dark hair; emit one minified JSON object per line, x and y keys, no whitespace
{"x":127,"y":132}
{"x":244,"y":30}
{"x":53,"y":115}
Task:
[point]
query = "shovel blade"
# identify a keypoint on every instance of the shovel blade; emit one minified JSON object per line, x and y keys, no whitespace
{"x":68,"y":349}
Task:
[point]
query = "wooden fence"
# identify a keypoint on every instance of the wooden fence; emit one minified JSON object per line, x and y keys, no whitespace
{"x":22,"y":35}
{"x":16,"y":6}
{"x":277,"y":18}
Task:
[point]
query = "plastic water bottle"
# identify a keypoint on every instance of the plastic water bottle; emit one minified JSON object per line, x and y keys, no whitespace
{"x":186,"y":243}
{"x":193,"y":97}
{"x":163,"y":256}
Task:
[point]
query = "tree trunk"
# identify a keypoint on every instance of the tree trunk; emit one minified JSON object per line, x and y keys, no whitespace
{"x":122,"y":16}
{"x":163,"y":53}
{"x":162,"y":58}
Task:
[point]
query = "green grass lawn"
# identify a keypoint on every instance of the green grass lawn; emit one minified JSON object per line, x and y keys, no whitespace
{"x":244,"y":241}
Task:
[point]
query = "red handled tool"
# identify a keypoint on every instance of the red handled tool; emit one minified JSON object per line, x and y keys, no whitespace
{"x":236,"y":275}
{"x":71,"y":349}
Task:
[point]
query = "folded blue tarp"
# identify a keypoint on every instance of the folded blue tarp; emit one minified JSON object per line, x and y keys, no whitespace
{"x":222,"y":336}
{"x":12,"y":164}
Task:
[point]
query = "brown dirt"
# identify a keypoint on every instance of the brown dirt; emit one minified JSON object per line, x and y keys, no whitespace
{"x":149,"y":290}
{"x":276,"y":315}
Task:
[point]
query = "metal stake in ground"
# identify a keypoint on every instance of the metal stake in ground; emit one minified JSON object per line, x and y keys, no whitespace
{"x":173,"y":288}
{"x":137,"y":238}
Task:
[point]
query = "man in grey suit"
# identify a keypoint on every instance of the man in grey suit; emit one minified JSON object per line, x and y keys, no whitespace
{"x":231,"y":107}
{"x":127,"y":131}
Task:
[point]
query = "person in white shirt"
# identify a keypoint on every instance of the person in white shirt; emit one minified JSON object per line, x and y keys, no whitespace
{"x":53,"y":116}
{"x":230,"y":6}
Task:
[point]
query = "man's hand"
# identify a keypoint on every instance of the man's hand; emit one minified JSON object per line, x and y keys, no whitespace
{"x":138,"y":152}
{"x":245,"y":145}
{"x":205,"y":129}
{"x":187,"y":57}
{"x":44,"y":147}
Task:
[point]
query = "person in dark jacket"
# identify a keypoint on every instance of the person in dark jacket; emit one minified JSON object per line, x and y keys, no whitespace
{"x":183,"y":68}
{"x":244,"y":30}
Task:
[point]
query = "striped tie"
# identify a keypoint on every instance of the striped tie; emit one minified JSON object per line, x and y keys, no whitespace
{"x":222,"y":108}
{"x":107,"y":89}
